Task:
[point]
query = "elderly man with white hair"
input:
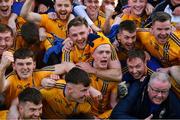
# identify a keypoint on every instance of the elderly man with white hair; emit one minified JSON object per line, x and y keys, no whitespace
{"x":149,"y":100}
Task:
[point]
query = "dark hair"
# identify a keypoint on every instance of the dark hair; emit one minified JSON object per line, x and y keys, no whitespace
{"x":77,"y":21}
{"x":77,"y":76}
{"x":127,"y":25}
{"x":161,"y":17}
{"x":30,"y":33}
{"x":23,"y":53}
{"x":30,"y":95}
{"x":137,"y":53}
{"x":5,"y":28}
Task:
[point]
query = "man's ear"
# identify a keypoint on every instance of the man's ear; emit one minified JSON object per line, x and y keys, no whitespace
{"x":151,"y":30}
{"x":148,"y":89}
{"x":118,"y":36}
{"x":69,"y":89}
{"x":13,"y":65}
{"x":147,"y":56}
{"x":34,"y":67}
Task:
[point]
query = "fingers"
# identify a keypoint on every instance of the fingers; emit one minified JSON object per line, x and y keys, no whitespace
{"x":149,"y":117}
{"x":54,"y":77}
{"x":48,"y":82}
{"x":7,"y":58}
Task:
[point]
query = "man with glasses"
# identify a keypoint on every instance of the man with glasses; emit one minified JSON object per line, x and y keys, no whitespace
{"x":149,"y":101}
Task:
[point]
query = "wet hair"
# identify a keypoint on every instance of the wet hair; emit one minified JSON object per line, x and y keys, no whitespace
{"x":77,"y":76}
{"x":5,"y":28}
{"x":161,"y":17}
{"x":137,"y":53}
{"x":30,"y":33}
{"x":127,"y":25}
{"x":30,"y":95}
{"x":77,"y":21}
{"x":23,"y":53}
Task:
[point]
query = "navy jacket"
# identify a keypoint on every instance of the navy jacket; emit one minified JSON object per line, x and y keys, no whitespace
{"x":136,"y":105}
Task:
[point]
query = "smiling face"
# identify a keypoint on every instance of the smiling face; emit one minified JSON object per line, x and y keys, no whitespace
{"x":6,"y":41}
{"x":24,"y":67}
{"x":127,"y":39}
{"x":29,"y":110}
{"x":161,"y":31}
{"x":63,"y":9}
{"x":78,"y":92}
{"x":137,"y":6}
{"x":106,"y":3}
{"x":92,"y":7}
{"x":136,"y":67}
{"x":5,"y":7}
{"x":79,"y":35}
{"x":102,"y":56}
{"x":158,"y":91}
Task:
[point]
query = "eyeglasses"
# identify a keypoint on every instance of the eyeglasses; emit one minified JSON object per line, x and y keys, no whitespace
{"x":156,"y":91}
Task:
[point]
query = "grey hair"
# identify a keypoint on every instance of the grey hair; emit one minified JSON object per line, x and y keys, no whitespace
{"x":160,"y":76}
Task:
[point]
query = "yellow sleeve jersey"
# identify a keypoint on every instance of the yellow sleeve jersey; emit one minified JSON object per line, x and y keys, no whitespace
{"x":138,"y":20}
{"x":3,"y":114}
{"x":17,"y":85}
{"x":57,"y":106}
{"x":76,"y":55}
{"x":168,"y":54}
{"x":106,"y":88}
{"x":175,"y":87}
{"x":57,"y":27}
{"x":44,"y":45}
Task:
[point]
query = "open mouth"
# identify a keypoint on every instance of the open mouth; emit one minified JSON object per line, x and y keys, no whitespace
{"x":103,"y":62}
{"x":4,"y":10}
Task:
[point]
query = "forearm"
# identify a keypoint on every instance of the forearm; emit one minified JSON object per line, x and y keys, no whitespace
{"x":175,"y":72}
{"x":13,"y":110}
{"x":63,"y":68}
{"x":26,"y":8}
{"x":2,"y":77}
{"x":113,"y":75}
{"x":80,"y":11}
{"x":107,"y":25}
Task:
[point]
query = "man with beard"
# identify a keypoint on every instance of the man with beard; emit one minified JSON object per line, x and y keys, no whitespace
{"x":161,"y":41}
{"x":29,"y":105}
{"x":125,"y":40}
{"x":68,"y":96}
{"x":152,"y":100}
{"x":63,"y":10}
{"x":137,"y":68}
{"x":79,"y":34}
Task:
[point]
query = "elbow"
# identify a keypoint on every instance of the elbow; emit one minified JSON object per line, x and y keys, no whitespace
{"x":119,"y":76}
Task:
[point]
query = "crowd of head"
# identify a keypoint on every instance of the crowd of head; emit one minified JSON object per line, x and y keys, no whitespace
{"x":82,"y":59}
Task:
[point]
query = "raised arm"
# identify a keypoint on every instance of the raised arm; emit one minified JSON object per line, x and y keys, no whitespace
{"x":63,"y":67}
{"x":6,"y":59}
{"x":112,"y":74}
{"x":26,"y":12}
